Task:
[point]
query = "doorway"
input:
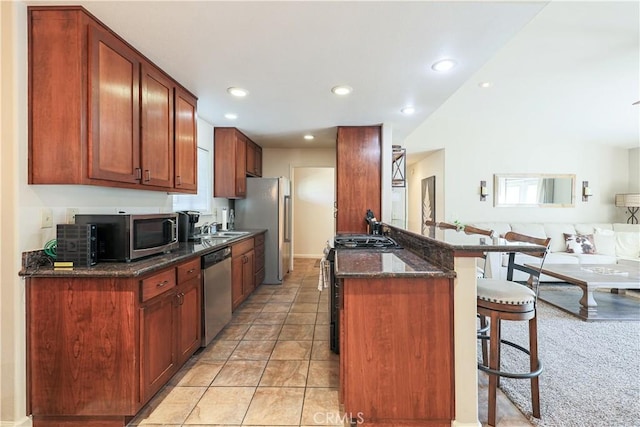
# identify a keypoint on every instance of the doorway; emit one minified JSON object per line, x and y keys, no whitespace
{"x":313,"y":190}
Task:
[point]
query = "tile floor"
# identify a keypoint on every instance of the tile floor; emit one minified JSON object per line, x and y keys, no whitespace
{"x":271,"y":366}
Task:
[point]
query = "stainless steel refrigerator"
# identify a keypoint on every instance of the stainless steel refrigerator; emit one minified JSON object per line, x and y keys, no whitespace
{"x":268,"y":205}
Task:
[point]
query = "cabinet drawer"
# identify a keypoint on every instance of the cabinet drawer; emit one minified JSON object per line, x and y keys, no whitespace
{"x":242,"y":247}
{"x":188,"y":270}
{"x":259,"y":239}
{"x":259,"y":251}
{"x":158,"y":283}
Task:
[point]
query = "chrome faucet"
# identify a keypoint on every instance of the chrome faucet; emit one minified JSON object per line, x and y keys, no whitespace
{"x":204,"y":229}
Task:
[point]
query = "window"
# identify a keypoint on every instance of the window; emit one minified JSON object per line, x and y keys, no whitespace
{"x":200,"y":202}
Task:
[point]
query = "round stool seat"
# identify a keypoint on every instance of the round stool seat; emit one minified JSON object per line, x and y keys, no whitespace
{"x":505,"y":292}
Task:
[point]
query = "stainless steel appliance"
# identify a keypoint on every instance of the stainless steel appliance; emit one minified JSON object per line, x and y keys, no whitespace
{"x":126,"y":237}
{"x":216,"y":299}
{"x":347,"y":241}
{"x":267,"y":205}
{"x":187,"y":221}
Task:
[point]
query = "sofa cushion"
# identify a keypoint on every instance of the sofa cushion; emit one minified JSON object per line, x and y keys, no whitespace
{"x":626,"y":227}
{"x":580,"y":243}
{"x":605,"y":241}
{"x":595,"y":258}
{"x":556,"y":233}
{"x":590,"y":228}
{"x":530,"y":229}
{"x":628,"y":244}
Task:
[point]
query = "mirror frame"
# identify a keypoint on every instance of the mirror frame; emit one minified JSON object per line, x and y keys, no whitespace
{"x":496,"y":190}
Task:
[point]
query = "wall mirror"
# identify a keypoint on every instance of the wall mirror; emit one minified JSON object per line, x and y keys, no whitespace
{"x":534,"y":190}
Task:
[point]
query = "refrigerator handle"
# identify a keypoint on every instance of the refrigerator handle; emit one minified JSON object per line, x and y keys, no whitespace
{"x":287,"y":218}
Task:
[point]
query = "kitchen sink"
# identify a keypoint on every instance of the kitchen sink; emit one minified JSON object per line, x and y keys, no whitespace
{"x":230,"y":233}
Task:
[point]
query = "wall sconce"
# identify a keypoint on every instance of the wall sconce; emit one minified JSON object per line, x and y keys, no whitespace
{"x":484,"y":192}
{"x":586,"y":191}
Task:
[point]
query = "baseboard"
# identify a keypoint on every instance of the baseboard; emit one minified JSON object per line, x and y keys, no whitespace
{"x":22,"y":422}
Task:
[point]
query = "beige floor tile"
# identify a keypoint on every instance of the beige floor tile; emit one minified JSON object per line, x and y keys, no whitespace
{"x":285,"y":373}
{"x":263,"y":332}
{"x":321,"y":332}
{"x":276,"y":307}
{"x":218,"y":350}
{"x":197,"y":372}
{"x":249,"y":307}
{"x":323,"y":373}
{"x":171,"y":406}
{"x":322,"y":351}
{"x":275,"y":406}
{"x":292,"y":350}
{"x":304,"y":307}
{"x":240,"y":373}
{"x":259,"y":298}
{"x":244,"y":317}
{"x":321,"y":407}
{"x":286,"y":291}
{"x":222,"y":405}
{"x":264,"y":290}
{"x":253,"y":350}
{"x":301,"y":319}
{"x":289,"y":297}
{"x":296,"y":332}
{"x":308,"y":297}
{"x":323,"y":317}
{"x":233,"y":332}
{"x":270,"y":319}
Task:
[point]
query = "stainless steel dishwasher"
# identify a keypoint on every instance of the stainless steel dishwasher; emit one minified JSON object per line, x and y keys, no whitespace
{"x":216,"y":304}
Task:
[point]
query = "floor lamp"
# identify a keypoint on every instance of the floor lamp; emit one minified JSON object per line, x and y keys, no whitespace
{"x":632,"y":203}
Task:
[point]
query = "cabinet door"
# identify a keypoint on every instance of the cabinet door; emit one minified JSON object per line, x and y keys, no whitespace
{"x":186,"y":143}
{"x":358,"y":162}
{"x":241,"y":167}
{"x":251,"y":159}
{"x":189,"y":318}
{"x":237,"y":281}
{"x":248,"y":274}
{"x":114,"y":135}
{"x":258,"y":161}
{"x":157,"y":343}
{"x":157,"y":128}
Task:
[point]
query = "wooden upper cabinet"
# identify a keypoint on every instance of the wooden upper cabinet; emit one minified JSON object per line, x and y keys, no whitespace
{"x":358,"y":177}
{"x":100,"y":113}
{"x":254,"y":159}
{"x":157,"y":145}
{"x":186,"y":143}
{"x":231,"y":157}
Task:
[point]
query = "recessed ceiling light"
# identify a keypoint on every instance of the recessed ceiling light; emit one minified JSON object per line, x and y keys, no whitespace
{"x":443,"y":65}
{"x":308,"y":137}
{"x":342,"y":90}
{"x":230,"y":116}
{"x":238,"y":91}
{"x":485,"y":85}
{"x":408,"y":110}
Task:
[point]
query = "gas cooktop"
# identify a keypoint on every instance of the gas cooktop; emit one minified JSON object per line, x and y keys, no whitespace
{"x":357,"y":241}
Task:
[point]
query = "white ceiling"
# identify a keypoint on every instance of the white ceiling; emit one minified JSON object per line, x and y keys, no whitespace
{"x":571,"y":57}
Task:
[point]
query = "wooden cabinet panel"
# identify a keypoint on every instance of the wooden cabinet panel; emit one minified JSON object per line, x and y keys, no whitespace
{"x":242,"y":271}
{"x":157,"y":127}
{"x":237,"y":281}
{"x":241,"y":176}
{"x":114,"y":150}
{"x":157,"y":284}
{"x":248,"y":274}
{"x":158,"y":343}
{"x":186,"y":143}
{"x":358,"y":177}
{"x":82,"y":355}
{"x":417,"y":315}
{"x":259,"y":260}
{"x":254,"y":159}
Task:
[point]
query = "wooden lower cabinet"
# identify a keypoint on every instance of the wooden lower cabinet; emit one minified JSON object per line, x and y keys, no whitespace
{"x":98,"y":348}
{"x":396,"y":351}
{"x":242,"y":271}
{"x":259,"y":259}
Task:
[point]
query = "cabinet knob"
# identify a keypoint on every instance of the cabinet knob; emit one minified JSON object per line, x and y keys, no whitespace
{"x":161,"y":284}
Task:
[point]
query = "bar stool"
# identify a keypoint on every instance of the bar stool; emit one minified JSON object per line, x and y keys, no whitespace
{"x":501,"y":300}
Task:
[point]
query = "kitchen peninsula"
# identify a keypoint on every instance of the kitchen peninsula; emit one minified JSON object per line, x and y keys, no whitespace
{"x":408,"y":341}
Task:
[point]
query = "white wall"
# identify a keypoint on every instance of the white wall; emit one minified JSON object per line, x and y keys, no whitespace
{"x":432,"y":165}
{"x":634,"y":171}
{"x":279,"y":161}
{"x":313,"y":199}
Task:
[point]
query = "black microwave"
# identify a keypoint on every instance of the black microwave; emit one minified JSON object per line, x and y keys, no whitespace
{"x":126,"y":237}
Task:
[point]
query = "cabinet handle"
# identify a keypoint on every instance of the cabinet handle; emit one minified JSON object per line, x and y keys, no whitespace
{"x":138,"y":174}
{"x":178,"y":180}
{"x":148,"y":173}
{"x":191,"y":271}
{"x":161,"y":284}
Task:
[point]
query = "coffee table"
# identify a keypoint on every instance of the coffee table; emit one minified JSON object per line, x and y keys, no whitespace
{"x":590,"y":277}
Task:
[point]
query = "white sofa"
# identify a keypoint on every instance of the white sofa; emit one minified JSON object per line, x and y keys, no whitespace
{"x":614,"y":244}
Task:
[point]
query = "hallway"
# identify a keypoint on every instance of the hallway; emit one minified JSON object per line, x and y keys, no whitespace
{"x":271,"y":366}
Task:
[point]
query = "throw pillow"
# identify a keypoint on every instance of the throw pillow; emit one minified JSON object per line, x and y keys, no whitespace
{"x":605,"y":241}
{"x":628,"y":244}
{"x":580,"y":243}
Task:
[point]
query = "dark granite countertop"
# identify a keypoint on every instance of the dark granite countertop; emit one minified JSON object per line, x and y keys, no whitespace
{"x":143,"y":266}
{"x":385,"y":263}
